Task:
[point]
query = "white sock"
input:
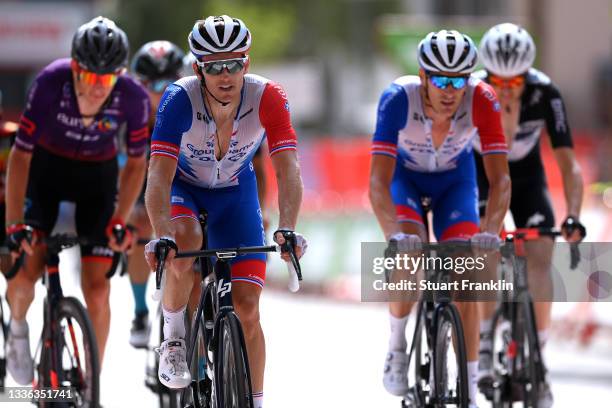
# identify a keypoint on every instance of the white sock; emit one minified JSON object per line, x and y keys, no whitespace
{"x":174,"y":323}
{"x":397,"y":341}
{"x":472,"y":371}
{"x":485,"y":328}
{"x":19,"y":328}
{"x":258,"y":399}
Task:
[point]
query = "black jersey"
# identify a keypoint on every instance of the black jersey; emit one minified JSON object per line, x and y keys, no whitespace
{"x":542,"y":107}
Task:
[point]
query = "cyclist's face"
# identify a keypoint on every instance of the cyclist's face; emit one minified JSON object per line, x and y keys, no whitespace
{"x":225,"y":86}
{"x":443,"y":101}
{"x":93,"y":93}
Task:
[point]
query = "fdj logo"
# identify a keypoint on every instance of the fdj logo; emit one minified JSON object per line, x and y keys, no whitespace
{"x":224,"y":288}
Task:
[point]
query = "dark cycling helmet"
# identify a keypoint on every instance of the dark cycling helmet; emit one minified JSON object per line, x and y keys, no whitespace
{"x":158,"y":60}
{"x":219,"y":34}
{"x":448,"y":51}
{"x":100,"y":46}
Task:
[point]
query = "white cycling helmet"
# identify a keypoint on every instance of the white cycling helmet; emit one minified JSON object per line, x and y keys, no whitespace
{"x":219,"y":34}
{"x":448,"y":51}
{"x":507,"y":50}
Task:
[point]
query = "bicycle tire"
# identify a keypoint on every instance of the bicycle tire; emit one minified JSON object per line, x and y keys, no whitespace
{"x":528,"y":352}
{"x":422,"y":363}
{"x":499,"y":389}
{"x":449,"y":329}
{"x":232,"y":378}
{"x":72,"y":361}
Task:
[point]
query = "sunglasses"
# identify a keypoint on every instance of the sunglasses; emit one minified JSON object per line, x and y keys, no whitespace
{"x":217,"y":67}
{"x":441,"y":81}
{"x":513,"y":82}
{"x":91,"y":78}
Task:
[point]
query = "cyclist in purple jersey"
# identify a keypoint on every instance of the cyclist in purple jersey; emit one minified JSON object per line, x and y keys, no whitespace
{"x":530,"y":103}
{"x":66,"y":150}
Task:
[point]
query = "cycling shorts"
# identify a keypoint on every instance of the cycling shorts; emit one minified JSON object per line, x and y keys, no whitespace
{"x":234,"y":219}
{"x":453,"y":194}
{"x":92,"y":186}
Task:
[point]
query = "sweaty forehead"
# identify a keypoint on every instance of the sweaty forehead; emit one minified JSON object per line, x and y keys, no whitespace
{"x":222,"y":56}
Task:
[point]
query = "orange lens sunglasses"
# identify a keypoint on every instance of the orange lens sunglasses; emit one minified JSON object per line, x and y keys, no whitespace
{"x":513,"y":82}
{"x":91,"y":78}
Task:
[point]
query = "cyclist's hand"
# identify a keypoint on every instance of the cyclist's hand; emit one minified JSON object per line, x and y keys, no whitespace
{"x":486,"y":241}
{"x":19,"y":237}
{"x":572,"y":229}
{"x":119,"y":236}
{"x":407,"y":242}
{"x":300,"y":243}
{"x":151,"y":250}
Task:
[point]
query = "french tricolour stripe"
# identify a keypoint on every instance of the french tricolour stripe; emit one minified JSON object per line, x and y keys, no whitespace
{"x":386,"y":148}
{"x":164,"y":149}
{"x":283,"y":147}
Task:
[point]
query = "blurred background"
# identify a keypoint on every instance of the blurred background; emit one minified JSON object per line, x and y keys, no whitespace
{"x":334,"y":58}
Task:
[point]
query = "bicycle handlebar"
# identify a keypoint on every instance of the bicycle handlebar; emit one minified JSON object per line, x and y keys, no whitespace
{"x":57,"y":243}
{"x":162,"y":250}
{"x":522,"y":235}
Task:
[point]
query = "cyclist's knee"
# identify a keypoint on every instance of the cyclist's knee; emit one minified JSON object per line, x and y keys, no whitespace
{"x":96,"y":291}
{"x":246,"y":302}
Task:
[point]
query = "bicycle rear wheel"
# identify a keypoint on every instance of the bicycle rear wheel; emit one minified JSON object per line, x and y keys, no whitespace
{"x":450,"y":365}
{"x":72,"y":361}
{"x":232,"y":376}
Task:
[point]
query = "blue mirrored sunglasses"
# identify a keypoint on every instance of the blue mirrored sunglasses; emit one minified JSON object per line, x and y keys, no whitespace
{"x":441,"y":81}
{"x":216,"y":67}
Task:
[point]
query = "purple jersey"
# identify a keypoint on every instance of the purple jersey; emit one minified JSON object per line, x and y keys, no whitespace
{"x":52,"y":120}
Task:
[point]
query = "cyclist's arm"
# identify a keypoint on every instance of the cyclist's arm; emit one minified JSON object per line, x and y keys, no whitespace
{"x":275,"y":118}
{"x":16,"y":184}
{"x":42,"y":95}
{"x":381,"y":174}
{"x":391,"y":117}
{"x":494,"y":151}
{"x":136,"y":109}
{"x":173,"y":119}
{"x":572,"y":179}
{"x":496,"y":169}
{"x":157,"y":194}
{"x":287,"y":170}
{"x":130,"y":185}
{"x":559,"y":132}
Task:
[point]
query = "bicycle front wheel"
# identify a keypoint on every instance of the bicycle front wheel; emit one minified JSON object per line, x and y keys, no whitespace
{"x":232,"y":376}
{"x":527,"y":369}
{"x":450,"y":365}
{"x":77,"y":352}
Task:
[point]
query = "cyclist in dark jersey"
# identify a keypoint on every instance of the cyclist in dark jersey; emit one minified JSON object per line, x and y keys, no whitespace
{"x":66,"y":149}
{"x":530,"y":104}
{"x":156,"y":65}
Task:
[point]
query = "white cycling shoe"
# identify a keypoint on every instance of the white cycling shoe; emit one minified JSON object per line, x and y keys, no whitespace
{"x":19,"y":359}
{"x":173,"y":371}
{"x":395,"y":376}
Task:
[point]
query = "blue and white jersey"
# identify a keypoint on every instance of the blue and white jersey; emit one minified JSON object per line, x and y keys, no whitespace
{"x":403,"y":131}
{"x":185,"y":130}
